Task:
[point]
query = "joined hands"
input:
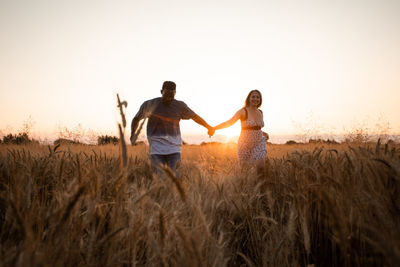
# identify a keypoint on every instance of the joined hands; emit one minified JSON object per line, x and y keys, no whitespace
{"x":211,"y":131}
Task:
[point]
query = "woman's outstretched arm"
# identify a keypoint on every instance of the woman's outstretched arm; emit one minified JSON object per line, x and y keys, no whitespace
{"x":239,"y":114}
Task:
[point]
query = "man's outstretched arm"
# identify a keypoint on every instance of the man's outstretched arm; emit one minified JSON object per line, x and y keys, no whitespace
{"x":203,"y":123}
{"x":135,"y":122}
{"x":134,"y":126}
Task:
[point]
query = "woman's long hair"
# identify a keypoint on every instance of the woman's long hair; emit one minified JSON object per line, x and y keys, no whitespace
{"x":247,"y":102}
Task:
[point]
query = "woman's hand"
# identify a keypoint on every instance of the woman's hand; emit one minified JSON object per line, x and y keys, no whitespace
{"x":266,"y":136}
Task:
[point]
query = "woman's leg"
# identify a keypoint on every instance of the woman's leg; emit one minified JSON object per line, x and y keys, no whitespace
{"x":260,"y":165}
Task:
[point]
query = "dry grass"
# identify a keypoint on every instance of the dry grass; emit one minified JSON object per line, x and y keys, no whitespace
{"x":76,"y":206}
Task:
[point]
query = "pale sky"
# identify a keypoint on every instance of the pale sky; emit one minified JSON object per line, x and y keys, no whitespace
{"x":62,"y":62}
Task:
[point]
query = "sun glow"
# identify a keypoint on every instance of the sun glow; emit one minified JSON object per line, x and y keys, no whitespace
{"x":231,"y":132}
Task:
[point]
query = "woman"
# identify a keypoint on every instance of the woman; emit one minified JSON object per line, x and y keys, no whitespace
{"x":252,"y":147}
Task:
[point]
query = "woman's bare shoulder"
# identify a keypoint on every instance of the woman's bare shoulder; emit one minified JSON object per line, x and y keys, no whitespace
{"x":241,"y":113}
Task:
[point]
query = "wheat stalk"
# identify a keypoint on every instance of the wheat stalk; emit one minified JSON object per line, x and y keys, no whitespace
{"x":121,"y":130}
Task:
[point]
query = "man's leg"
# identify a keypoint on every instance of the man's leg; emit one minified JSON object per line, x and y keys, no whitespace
{"x":174,"y":162}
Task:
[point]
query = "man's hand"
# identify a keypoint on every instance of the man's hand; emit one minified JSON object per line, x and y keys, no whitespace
{"x":211,"y":131}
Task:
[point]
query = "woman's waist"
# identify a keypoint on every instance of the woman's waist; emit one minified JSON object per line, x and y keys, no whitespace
{"x":251,"y":128}
{"x":251,"y":135}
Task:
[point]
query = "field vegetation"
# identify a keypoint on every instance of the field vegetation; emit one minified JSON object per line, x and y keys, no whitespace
{"x":321,"y":204}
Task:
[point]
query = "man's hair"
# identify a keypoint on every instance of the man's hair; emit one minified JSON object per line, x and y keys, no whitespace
{"x":169,"y":85}
{"x":247,"y":102}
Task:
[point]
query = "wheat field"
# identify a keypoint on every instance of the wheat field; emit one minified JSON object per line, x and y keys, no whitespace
{"x":76,"y":205}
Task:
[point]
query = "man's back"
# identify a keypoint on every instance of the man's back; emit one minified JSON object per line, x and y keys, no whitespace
{"x":163,"y":131}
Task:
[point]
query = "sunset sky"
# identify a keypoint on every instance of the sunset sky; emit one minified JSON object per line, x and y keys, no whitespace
{"x":62,"y":62}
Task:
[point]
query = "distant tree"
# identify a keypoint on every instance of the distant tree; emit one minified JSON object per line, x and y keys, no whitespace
{"x":23,"y":137}
{"x":107,"y":139}
{"x":291,"y":142}
{"x":17,"y":139}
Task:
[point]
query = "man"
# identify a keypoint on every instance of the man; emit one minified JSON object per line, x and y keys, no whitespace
{"x":163,"y":131}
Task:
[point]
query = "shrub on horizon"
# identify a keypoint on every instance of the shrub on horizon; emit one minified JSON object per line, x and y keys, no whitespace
{"x":107,"y":139}
{"x":64,"y":141}
{"x":17,"y":139}
{"x":322,"y":141}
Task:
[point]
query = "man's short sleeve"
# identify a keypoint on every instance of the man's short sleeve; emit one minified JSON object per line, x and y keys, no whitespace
{"x":143,"y":111}
{"x":186,"y":112}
